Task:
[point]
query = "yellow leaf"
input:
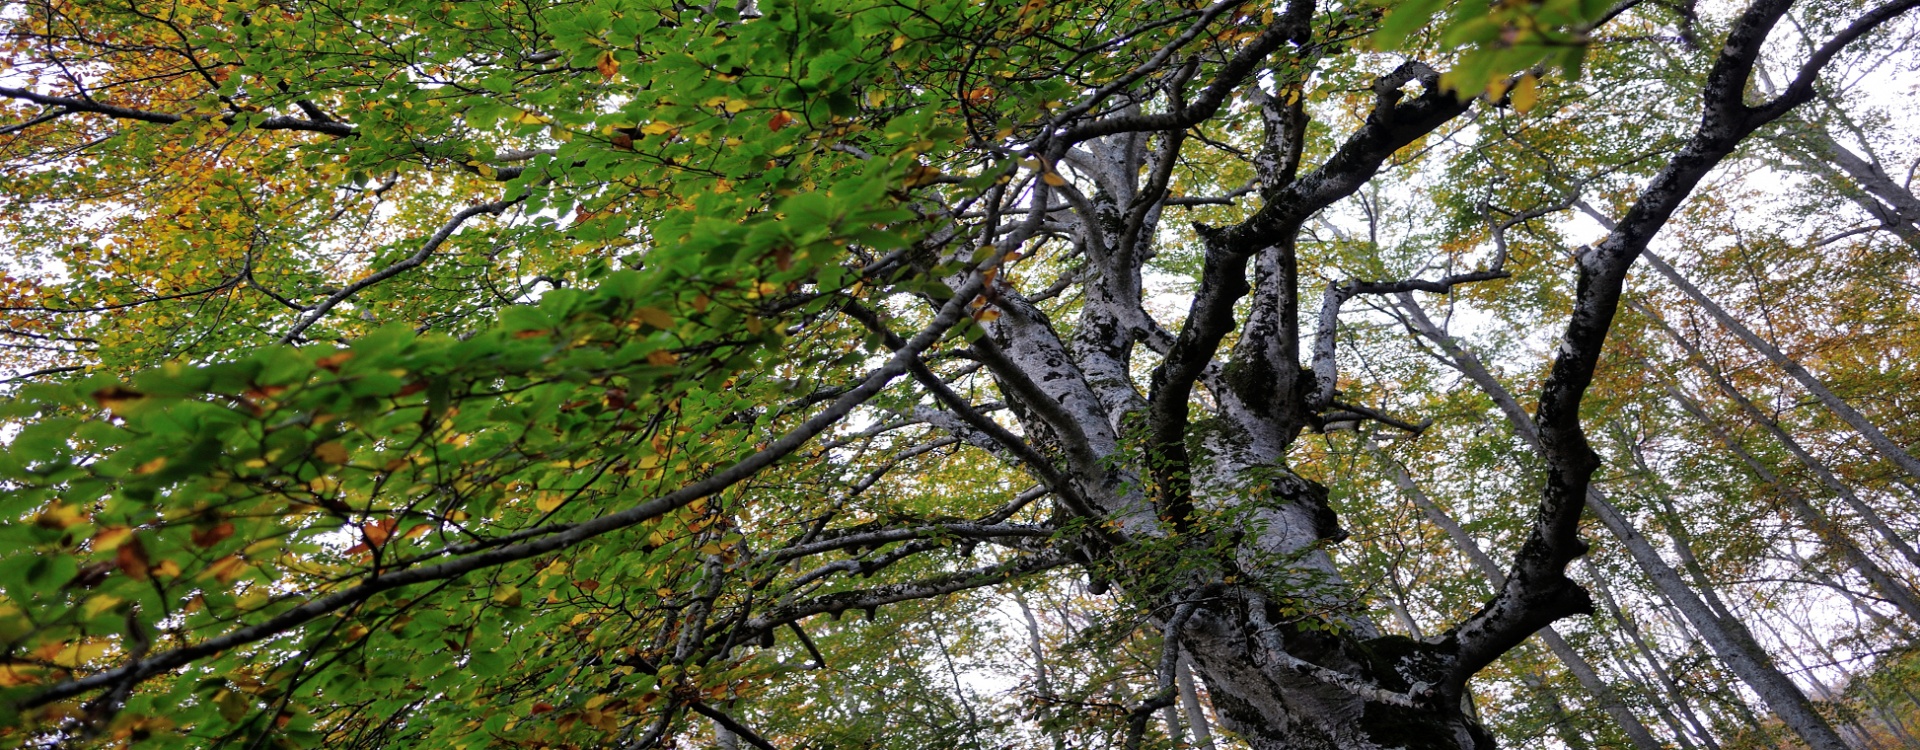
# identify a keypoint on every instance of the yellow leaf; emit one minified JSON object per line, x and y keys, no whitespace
{"x":548,"y":501}
{"x":1054,"y":179}
{"x":254,"y":599}
{"x":151,"y":466}
{"x":554,"y":569}
{"x":99,"y":603}
{"x":74,"y":654}
{"x":655,"y":317}
{"x":61,"y":515}
{"x":333,"y":453}
{"x":1525,"y":93}
{"x":110,"y":538}
{"x":607,"y":65}
{"x":656,"y":128}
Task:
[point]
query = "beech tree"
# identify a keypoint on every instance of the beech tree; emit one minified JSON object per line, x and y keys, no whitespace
{"x":559,"y":374}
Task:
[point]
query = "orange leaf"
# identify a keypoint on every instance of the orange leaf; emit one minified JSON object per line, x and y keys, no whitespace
{"x":378,"y":531}
{"x":780,"y":120}
{"x":226,"y":568}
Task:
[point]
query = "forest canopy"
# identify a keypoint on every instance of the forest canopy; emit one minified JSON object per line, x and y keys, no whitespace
{"x":959,"y":373}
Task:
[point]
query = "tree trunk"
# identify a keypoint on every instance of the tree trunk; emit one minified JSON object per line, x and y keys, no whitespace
{"x":1582,"y":670}
{"x":1813,"y":519}
{"x":1190,"y":701}
{"x":1677,"y":699}
{"x":1875,"y":438}
{"x":1819,"y":469}
{"x":1879,"y":194}
{"x":1728,"y":638}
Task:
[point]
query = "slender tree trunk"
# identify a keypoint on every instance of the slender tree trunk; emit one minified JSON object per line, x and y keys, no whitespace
{"x":1893,"y":627}
{"x":1813,"y":519}
{"x":1839,"y":696}
{"x":1190,"y":700}
{"x":1879,"y":194}
{"x":1042,"y":681}
{"x":1819,"y":469}
{"x":1634,"y":673}
{"x":1875,"y":438}
{"x":1582,"y":670}
{"x":1677,"y":699}
{"x":1728,"y":638}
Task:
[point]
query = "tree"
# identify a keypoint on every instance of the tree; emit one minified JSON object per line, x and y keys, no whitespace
{"x":539,"y":373}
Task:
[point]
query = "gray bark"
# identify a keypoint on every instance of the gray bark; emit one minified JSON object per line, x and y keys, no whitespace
{"x":1582,"y":670}
{"x":1813,"y":465}
{"x":1727,"y":638}
{"x":1190,"y":701}
{"x":1881,"y":444}
{"x":1677,"y":699}
{"x":1882,"y":197}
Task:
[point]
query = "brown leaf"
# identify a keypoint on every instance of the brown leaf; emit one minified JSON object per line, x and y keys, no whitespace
{"x":116,"y":399}
{"x":131,"y":556}
{"x":211,"y":535}
{"x":378,"y":531}
{"x":332,"y":362}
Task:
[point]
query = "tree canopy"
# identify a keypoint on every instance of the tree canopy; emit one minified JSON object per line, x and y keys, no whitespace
{"x":972,"y":373}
